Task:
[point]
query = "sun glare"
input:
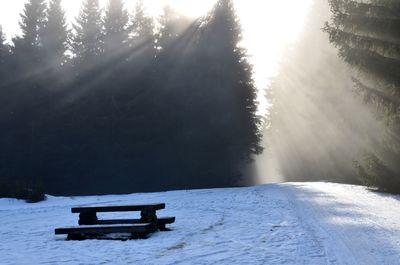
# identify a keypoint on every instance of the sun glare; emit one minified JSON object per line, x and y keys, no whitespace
{"x":189,"y":8}
{"x":269,"y":27}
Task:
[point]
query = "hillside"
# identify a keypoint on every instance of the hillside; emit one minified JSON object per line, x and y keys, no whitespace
{"x":293,"y":223}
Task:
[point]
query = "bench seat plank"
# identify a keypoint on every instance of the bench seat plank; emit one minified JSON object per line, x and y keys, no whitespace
{"x":122,"y":208}
{"x":105,"y":229}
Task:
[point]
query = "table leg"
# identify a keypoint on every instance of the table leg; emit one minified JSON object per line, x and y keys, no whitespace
{"x":162,"y":227}
{"x":149,"y":216}
{"x":88,"y":218}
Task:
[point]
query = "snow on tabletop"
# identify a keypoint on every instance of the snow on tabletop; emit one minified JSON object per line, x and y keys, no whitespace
{"x":293,"y":223}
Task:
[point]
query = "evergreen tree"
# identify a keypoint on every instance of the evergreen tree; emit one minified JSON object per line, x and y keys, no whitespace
{"x":4,"y":49}
{"x":142,"y":26}
{"x":87,"y":41}
{"x":28,"y":46}
{"x":55,"y":35}
{"x":116,"y":29}
{"x":231,"y":74}
{"x":4,"y":58}
{"x":208,"y":102}
{"x":172,"y":25}
{"x":26,"y":87}
{"x":368,"y":38}
{"x":184,"y":119}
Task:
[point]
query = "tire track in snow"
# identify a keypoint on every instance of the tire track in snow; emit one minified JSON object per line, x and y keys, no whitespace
{"x":310,"y":219}
{"x":374,"y":209}
{"x":348,"y":232}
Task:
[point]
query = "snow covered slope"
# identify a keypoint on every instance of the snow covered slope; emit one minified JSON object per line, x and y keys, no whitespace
{"x":294,"y":223}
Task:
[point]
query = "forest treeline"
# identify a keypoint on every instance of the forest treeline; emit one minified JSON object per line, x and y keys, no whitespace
{"x":367,"y":35}
{"x":124,"y":102}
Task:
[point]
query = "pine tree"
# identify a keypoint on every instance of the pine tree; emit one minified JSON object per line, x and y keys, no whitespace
{"x":233,"y":85}
{"x":172,"y":25}
{"x":116,"y":28}
{"x":210,"y":103}
{"x":142,"y":38}
{"x":4,"y":49}
{"x":142,"y":26}
{"x":367,"y":36}
{"x":28,"y":46}
{"x":55,"y":35}
{"x":4,"y":58}
{"x":28,"y":82}
{"x":87,"y":41}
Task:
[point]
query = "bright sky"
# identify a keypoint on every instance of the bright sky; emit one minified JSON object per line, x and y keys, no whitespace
{"x":269,"y":25}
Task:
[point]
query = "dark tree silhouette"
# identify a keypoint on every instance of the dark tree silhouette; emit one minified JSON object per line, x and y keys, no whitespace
{"x":368,"y":38}
{"x":229,"y":87}
{"x":127,"y":118}
{"x":116,"y":28}
{"x":6,"y":64}
{"x":55,"y":35}
{"x":208,"y":102}
{"x":22,"y":94}
{"x":172,"y":25}
{"x":142,"y":26}
{"x":5,"y":60}
{"x":87,"y":41}
{"x":4,"y":50}
{"x":28,"y":45}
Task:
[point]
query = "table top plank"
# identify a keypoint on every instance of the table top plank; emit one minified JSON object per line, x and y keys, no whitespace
{"x":120,"y":208}
{"x":166,"y":220}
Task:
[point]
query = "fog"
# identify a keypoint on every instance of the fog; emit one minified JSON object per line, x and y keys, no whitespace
{"x":317,"y":125}
{"x":132,"y":100}
{"x":127,"y":102}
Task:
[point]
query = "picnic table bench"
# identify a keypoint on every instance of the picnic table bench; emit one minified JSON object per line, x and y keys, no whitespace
{"x":91,"y":226}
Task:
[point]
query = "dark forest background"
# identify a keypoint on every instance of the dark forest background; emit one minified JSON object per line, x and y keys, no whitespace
{"x":125,"y":102}
{"x":120,"y":105}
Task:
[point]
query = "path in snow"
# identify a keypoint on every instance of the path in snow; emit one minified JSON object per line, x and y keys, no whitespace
{"x":353,"y":225}
{"x":295,"y":223}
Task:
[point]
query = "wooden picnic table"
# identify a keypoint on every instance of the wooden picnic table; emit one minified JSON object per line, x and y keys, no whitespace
{"x":89,"y":224}
{"x":88,"y":214}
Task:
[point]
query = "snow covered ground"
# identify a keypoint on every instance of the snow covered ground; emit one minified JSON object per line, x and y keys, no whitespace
{"x":293,"y":223}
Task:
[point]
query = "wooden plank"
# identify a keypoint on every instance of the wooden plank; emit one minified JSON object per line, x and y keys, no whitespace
{"x":118,"y":221}
{"x":166,"y":220}
{"x":121,"y":208}
{"x":162,"y":220}
{"x":99,"y":229}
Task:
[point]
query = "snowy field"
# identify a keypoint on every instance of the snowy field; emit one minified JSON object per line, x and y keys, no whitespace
{"x":294,"y":223}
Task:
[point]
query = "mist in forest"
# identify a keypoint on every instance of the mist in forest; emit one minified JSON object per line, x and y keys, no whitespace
{"x":125,"y":102}
{"x":317,"y":126}
{"x":122,"y":101}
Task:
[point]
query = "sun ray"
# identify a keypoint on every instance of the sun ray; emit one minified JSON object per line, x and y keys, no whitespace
{"x":268,"y":26}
